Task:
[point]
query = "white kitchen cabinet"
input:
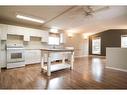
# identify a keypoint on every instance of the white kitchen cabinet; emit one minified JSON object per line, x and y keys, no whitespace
{"x":3,"y":59}
{"x":26,"y":32}
{"x":3,"y":31}
{"x":43,"y":39}
{"x":32,"y":56}
{"x":15,"y":30}
{"x":45,"y":36}
{"x":26,"y":38}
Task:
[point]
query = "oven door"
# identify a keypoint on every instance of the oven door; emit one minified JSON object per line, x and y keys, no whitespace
{"x":15,"y":55}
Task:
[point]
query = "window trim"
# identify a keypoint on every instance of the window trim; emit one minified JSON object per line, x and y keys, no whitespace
{"x":100,"y":45}
{"x":56,"y":37}
{"x":121,"y":40}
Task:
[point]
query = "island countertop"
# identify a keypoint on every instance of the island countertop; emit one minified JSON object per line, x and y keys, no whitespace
{"x":57,"y":50}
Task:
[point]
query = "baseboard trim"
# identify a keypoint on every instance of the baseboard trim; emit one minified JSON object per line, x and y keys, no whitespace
{"x":123,"y":70}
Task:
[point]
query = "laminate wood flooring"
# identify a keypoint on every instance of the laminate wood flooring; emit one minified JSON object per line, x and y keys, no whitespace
{"x":88,"y":73}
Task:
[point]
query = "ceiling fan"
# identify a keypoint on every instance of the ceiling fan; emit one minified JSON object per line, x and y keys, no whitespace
{"x":88,"y":10}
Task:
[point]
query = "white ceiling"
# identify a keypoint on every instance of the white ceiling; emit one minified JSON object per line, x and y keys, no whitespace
{"x":69,"y":17}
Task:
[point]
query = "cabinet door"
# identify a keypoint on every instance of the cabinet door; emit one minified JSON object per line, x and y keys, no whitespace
{"x":43,"y":39}
{"x":45,"y":36}
{"x":3,"y":59}
{"x":14,"y":30}
{"x":18,"y":30}
{"x":3,"y":29}
{"x":32,"y":56}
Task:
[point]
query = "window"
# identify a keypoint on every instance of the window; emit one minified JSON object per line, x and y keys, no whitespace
{"x":96,"y":45}
{"x":54,"y":40}
{"x":124,"y":41}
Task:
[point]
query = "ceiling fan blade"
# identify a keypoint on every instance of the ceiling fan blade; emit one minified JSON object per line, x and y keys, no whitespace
{"x":100,"y":8}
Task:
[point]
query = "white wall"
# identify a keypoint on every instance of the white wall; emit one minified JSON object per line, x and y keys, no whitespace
{"x":80,"y":45}
{"x":116,"y":58}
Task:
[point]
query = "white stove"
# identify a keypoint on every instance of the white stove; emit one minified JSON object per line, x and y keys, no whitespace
{"x":15,"y":56}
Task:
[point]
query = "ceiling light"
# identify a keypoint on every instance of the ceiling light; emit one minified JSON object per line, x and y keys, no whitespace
{"x":54,"y":30}
{"x":29,"y":18}
{"x":71,"y":33}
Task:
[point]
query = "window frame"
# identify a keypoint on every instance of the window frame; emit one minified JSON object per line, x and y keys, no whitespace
{"x":100,"y":45}
{"x":121,"y":41}
{"x":54,"y":35}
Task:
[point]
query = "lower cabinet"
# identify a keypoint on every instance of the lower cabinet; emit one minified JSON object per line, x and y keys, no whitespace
{"x":32,"y":56}
{"x":3,"y":59}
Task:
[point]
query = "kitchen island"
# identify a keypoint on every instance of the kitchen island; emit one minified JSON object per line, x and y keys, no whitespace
{"x":54,"y":67}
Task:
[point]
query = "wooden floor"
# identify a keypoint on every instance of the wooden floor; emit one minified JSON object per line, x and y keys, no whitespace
{"x":88,"y":73}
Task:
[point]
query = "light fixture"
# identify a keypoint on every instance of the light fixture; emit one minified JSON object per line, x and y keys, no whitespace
{"x":29,"y":18}
{"x":70,"y":33}
{"x":54,"y":30}
{"x":86,"y":35}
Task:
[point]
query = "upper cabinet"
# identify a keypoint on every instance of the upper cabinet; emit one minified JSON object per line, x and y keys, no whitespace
{"x":3,"y":30}
{"x":26,"y":32}
{"x":44,"y":37}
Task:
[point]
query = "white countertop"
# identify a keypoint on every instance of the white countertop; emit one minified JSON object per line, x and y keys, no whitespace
{"x":57,"y":50}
